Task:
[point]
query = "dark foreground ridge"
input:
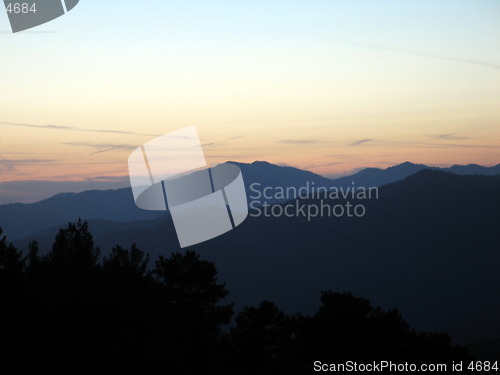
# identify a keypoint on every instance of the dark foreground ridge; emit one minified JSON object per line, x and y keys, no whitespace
{"x":429,"y":245}
{"x":72,"y":311}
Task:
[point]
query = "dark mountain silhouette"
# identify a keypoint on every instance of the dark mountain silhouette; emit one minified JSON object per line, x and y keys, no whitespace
{"x":100,"y":229}
{"x":269,"y":174}
{"x":474,"y":169}
{"x":19,"y":220}
{"x":23,"y":220}
{"x":35,"y":191}
{"x":429,"y":245}
{"x":379,"y":177}
{"x":71,"y":310}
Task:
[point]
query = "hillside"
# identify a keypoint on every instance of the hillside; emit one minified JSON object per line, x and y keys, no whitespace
{"x":429,"y":245}
{"x":23,"y":220}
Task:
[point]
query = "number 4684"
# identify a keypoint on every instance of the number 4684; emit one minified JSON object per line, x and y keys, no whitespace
{"x":20,"y":8}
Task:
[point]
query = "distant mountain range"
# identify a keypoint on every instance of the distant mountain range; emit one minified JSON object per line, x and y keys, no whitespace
{"x":35,"y":191}
{"x":379,"y":177}
{"x":430,"y":246}
{"x":272,"y":175}
{"x":20,"y":220}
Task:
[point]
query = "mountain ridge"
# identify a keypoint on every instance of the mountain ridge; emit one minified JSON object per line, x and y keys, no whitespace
{"x":429,"y":245}
{"x":22,"y":219}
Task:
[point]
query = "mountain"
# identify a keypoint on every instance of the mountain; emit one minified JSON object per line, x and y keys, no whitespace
{"x":474,"y":169}
{"x":379,"y":177}
{"x":428,"y":245}
{"x":19,"y":220}
{"x":260,"y":174}
{"x":101,"y":229}
{"x":22,"y":220}
{"x":35,"y":191}
{"x":268,"y":174}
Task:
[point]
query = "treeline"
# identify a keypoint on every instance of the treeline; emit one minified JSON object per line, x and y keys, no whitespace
{"x":72,"y":311}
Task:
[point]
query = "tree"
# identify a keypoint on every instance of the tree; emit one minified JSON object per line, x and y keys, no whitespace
{"x":70,"y":311}
{"x":11,"y":260}
{"x":191,"y":285}
{"x":73,"y":249}
{"x":12,"y":300}
{"x":345,"y":325}
{"x":131,"y":263}
{"x":261,"y":340}
{"x":193,"y":297}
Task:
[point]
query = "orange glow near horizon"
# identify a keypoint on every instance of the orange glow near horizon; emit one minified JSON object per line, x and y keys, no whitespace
{"x":348,"y":87}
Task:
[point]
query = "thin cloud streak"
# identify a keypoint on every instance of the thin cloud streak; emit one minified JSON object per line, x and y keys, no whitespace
{"x":297,"y":141}
{"x":100,"y":152}
{"x":106,"y":146}
{"x":450,"y":136}
{"x":73,"y":128}
{"x":361,"y":141}
{"x":315,"y":166}
{"x":10,"y":165}
{"x":423,"y":144}
{"x":28,"y":161}
{"x":416,"y":53}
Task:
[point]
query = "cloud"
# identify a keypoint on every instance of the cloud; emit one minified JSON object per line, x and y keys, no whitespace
{"x":73,"y":128}
{"x":121,"y":179}
{"x":417,"y":53}
{"x":27,"y":161}
{"x":105,"y":146}
{"x":297,"y":141}
{"x":101,"y":151}
{"x":454,"y":145}
{"x":435,"y":145}
{"x":361,"y":141}
{"x":9,"y":165}
{"x":315,"y":166}
{"x":450,"y":136}
{"x":230,"y":156}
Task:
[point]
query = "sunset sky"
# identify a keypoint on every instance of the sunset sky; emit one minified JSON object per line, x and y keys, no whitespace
{"x":328,"y":86}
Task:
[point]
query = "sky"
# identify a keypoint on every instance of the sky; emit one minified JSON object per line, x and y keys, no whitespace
{"x":327,"y":86}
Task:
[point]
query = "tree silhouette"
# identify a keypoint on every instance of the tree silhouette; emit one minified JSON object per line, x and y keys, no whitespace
{"x":193,"y":297}
{"x":72,"y":311}
{"x":131,"y":263}
{"x":73,"y":250}
{"x":12,"y":299}
{"x":11,"y":260}
{"x":262,"y":337}
{"x":346,"y":325}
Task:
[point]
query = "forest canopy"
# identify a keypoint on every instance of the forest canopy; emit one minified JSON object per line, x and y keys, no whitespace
{"x":76,"y":311}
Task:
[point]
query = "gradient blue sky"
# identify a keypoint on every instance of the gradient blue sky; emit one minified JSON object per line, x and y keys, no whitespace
{"x":329,"y":86}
